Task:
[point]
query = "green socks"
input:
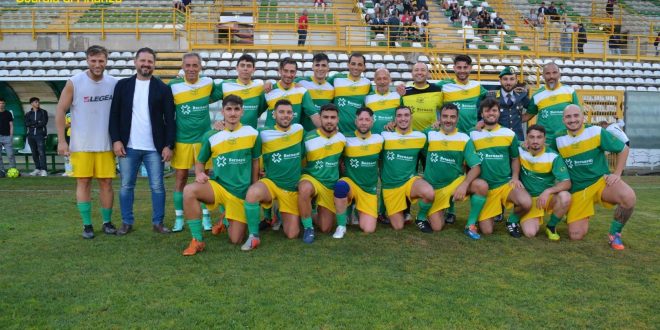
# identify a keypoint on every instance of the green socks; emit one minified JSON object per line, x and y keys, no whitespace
{"x":106,"y":214}
{"x":615,"y":227}
{"x":85,"y":209}
{"x":196,"y":229}
{"x":451,"y":209}
{"x":252,"y":215}
{"x":423,"y":210}
{"x":307,"y":222}
{"x":268,"y":213}
{"x":476,"y":204}
{"x":341,"y":219}
{"x":178,"y":204}
{"x":514,"y":218}
{"x":554,"y":221}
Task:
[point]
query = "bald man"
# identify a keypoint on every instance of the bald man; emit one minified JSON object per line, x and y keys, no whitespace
{"x":382,"y":101}
{"x":423,"y":98}
{"x":583,"y":149}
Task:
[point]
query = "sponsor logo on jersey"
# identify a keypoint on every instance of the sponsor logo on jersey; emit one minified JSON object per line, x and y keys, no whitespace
{"x":101,"y":98}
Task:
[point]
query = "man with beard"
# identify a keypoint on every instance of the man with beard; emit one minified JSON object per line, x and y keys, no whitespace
{"x":286,"y":89}
{"x":350,"y":91}
{"x":424,"y":99}
{"x":400,"y":181}
{"x":361,"y":156}
{"x":500,"y":168}
{"x":321,"y":91}
{"x":550,"y":100}
{"x":234,"y":152}
{"x":464,"y":93}
{"x":545,"y":177}
{"x":323,"y":148}
{"x":583,"y":149}
{"x":89,"y":95}
{"x":143,"y":131}
{"x":512,"y":102}
{"x":446,"y":151}
{"x":281,"y":151}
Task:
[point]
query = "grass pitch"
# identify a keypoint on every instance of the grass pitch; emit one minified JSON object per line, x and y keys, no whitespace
{"x":51,"y":278}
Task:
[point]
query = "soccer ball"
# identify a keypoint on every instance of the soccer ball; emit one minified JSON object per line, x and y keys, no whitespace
{"x":13,"y":173}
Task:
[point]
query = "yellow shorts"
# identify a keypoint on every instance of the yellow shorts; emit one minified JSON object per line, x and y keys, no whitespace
{"x":324,"y":197}
{"x":288,"y":199}
{"x":99,"y":165}
{"x":582,"y":204}
{"x":444,"y":195}
{"x":365,"y":202}
{"x":395,"y":198}
{"x":494,"y":201}
{"x":185,"y":156}
{"x":536,"y":212}
{"x":234,"y":209}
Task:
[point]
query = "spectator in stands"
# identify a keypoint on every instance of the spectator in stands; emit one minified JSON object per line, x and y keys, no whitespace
{"x":498,"y":22}
{"x":393,"y":24}
{"x":422,"y":34}
{"x":319,"y":3}
{"x":609,"y":8}
{"x":467,"y":3}
{"x":35,"y":121}
{"x":6,"y":137}
{"x":303,"y":23}
{"x":566,"y":37}
{"x":465,"y":15}
{"x":485,"y":4}
{"x":473,"y":14}
{"x":398,"y":4}
{"x":532,"y":18}
{"x":182,"y":4}
{"x":614,"y":41}
{"x":406,"y":20}
{"x":368,"y":20}
{"x":424,"y":10}
{"x":656,"y":44}
{"x":455,"y":15}
{"x":581,"y":38}
{"x":551,"y":12}
{"x":420,"y":20}
{"x":542,"y":10}
{"x":378,"y":24}
{"x":561,"y":11}
{"x":541,"y":19}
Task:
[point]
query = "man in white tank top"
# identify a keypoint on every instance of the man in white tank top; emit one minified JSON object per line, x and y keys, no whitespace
{"x":89,"y":96}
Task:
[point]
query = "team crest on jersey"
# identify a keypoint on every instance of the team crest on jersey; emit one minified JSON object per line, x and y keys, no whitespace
{"x":341,"y":102}
{"x":318,"y":165}
{"x":445,"y":143}
{"x":465,"y":92}
{"x":276,"y":158}
{"x":286,"y":137}
{"x":328,"y":146}
{"x":434,"y":158}
{"x":576,"y":145}
{"x":245,"y":91}
{"x":390,"y":155}
{"x":355,"y":163}
{"x":232,"y":140}
{"x":186,"y":109}
{"x":221,"y":161}
{"x":420,"y":99}
{"x":194,"y":91}
{"x":402,"y":141}
{"x":545,"y":114}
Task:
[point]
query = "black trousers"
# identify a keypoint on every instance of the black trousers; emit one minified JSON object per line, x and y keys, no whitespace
{"x":38,"y":146}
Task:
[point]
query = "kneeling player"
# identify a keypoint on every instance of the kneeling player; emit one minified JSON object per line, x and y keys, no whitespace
{"x":399,"y":177}
{"x":281,"y":148}
{"x":323,"y":148}
{"x":500,"y":167}
{"x":446,"y":151}
{"x":235,"y":152}
{"x":545,"y":177}
{"x":583,"y":149}
{"x":361,"y":169}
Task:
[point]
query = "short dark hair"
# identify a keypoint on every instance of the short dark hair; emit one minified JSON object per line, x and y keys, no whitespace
{"x":536,"y":127}
{"x":95,"y":50}
{"x":282,"y":102}
{"x":488,"y":103}
{"x":403,"y":107}
{"x":328,"y":107}
{"x":364,"y":59}
{"x":232,"y":99}
{"x":2,"y":99}
{"x":463,"y":58}
{"x":449,"y":106}
{"x":34,"y":98}
{"x":364,"y":109}
{"x":145,"y":50}
{"x":320,"y":57}
{"x":287,"y":60}
{"x":247,"y":58}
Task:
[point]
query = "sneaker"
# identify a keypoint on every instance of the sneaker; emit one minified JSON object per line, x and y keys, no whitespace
{"x":43,"y":173}
{"x":339,"y":232}
{"x":218,"y":228}
{"x":471,"y":232}
{"x":355,"y":220}
{"x":178,"y":225}
{"x":277,"y":224}
{"x":88,"y":232}
{"x":194,"y":247}
{"x":206,"y":224}
{"x":407,"y":217}
{"x":615,"y":241}
{"x":450,"y":218}
{"x":35,"y":173}
{"x":513,"y":229}
{"x":65,"y":174}
{"x":499,"y":217}
{"x":424,"y":226}
{"x":251,"y":243}
{"x":308,"y":235}
{"x":265,"y":224}
{"x":109,"y":228}
{"x":124,"y":229}
{"x":553,"y":236}
{"x":383,"y":219}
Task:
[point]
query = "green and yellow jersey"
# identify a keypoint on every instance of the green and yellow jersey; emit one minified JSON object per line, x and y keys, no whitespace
{"x":400,"y":155}
{"x":542,"y":171}
{"x":549,"y":105}
{"x":467,"y":98}
{"x":281,"y":152}
{"x":445,"y":156}
{"x":384,"y":106}
{"x":361,"y":160}
{"x":299,"y":97}
{"x":192,"y":107}
{"x":496,"y":148}
{"x":252,"y":94}
{"x":322,"y":155}
{"x":321,"y":93}
{"x":349,"y":96}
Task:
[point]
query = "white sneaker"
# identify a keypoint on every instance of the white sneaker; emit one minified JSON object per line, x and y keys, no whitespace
{"x":339,"y":233}
{"x":276,"y":226}
{"x":35,"y":173}
{"x":354,"y":219}
{"x":251,"y":243}
{"x":43,"y":173}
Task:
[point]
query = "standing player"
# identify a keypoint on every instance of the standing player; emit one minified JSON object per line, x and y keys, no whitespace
{"x":550,"y":100}
{"x":399,"y":176}
{"x":350,"y":91}
{"x":251,"y":92}
{"x":234,"y":152}
{"x":281,"y":150}
{"x":89,"y":96}
{"x":500,"y":167}
{"x":321,"y":91}
{"x":192,"y":96}
{"x":323,"y":148}
{"x":446,"y":151}
{"x":361,"y":156}
{"x":545,"y":177}
{"x":583,"y":149}
{"x":298,"y":96}
{"x":382,"y":102}
{"x":423,"y":98}
{"x":465,"y":93}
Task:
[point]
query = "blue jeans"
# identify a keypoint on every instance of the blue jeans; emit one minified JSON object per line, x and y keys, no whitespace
{"x":129,"y":166}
